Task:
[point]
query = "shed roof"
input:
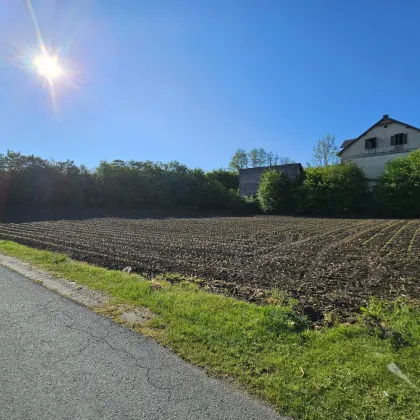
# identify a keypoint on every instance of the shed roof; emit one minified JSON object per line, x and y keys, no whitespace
{"x":299,"y":165}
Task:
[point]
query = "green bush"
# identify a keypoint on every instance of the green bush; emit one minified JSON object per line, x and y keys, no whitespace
{"x":276,"y":193}
{"x":251,"y":203}
{"x":397,"y":192}
{"x":228,"y":179}
{"x":333,"y":190}
{"x":32,"y":188}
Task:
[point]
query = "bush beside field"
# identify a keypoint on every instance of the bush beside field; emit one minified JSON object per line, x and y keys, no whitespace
{"x":398,"y":190}
{"x":32,"y":188}
{"x":342,"y":189}
{"x":334,"y":190}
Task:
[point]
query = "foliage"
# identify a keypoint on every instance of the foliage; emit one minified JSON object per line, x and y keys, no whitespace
{"x":342,"y":372}
{"x":281,"y":318}
{"x":239,"y":160}
{"x":284,"y":161}
{"x":257,"y":158}
{"x":32,"y":188}
{"x":228,"y":179}
{"x":325,"y":151}
{"x":271,"y":158}
{"x":333,"y":190}
{"x":276,"y":193}
{"x":397,"y":191}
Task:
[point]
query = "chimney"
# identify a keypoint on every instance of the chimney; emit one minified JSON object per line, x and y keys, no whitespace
{"x":386,"y":116}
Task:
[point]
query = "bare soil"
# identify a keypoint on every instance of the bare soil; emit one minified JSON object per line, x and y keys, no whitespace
{"x":332,"y":266}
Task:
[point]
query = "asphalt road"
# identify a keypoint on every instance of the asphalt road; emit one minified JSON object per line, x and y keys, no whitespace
{"x":58,"y":360}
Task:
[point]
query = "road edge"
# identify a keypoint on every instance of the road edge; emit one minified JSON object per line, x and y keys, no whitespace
{"x":69,"y":289}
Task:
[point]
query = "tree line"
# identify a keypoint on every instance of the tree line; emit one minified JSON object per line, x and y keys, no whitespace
{"x":32,"y":188}
{"x":325,"y":153}
{"x":256,"y":158}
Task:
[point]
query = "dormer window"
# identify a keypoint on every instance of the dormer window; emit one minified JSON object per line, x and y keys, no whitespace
{"x":370,"y":143}
{"x":399,"y":139}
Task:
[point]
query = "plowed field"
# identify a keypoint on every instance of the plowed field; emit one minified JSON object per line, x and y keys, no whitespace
{"x":330,"y":265}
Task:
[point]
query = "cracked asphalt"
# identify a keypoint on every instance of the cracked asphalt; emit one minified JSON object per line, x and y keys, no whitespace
{"x":58,"y":360}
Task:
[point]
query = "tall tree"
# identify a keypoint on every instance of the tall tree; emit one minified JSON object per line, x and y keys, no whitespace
{"x":257,"y":157}
{"x":285,"y":161}
{"x":270,"y":158}
{"x":262,"y":157}
{"x":239,"y":160}
{"x":325,"y":151}
{"x":253,"y":158}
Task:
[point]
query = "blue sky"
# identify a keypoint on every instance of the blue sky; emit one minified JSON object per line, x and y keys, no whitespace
{"x":192,"y":80}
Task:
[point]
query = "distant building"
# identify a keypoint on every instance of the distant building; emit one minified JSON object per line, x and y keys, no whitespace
{"x":385,"y":140}
{"x":249,"y":178}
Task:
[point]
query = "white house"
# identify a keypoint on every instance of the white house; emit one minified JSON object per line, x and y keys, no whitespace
{"x":385,"y":140}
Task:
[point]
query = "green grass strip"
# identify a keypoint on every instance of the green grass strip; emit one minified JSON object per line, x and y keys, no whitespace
{"x":340,"y":372}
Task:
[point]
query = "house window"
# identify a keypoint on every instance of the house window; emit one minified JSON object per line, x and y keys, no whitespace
{"x":399,"y":139}
{"x":370,"y":143}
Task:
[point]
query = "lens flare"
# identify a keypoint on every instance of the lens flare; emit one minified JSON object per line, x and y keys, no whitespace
{"x":47,"y":66}
{"x":56,"y":72}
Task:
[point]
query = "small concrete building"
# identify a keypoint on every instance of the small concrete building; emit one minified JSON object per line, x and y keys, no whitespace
{"x":249,"y":178}
{"x":385,"y":140}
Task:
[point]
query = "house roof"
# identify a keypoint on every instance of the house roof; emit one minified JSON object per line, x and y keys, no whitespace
{"x":386,"y":119}
{"x":347,"y":142}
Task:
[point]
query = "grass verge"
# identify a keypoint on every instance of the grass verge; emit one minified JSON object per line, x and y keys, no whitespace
{"x":369,"y":370}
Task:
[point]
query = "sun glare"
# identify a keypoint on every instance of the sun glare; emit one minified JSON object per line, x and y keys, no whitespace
{"x":51,"y":65}
{"x":47,"y":66}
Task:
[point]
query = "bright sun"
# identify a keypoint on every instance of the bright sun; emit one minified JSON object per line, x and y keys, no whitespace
{"x":47,"y":66}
